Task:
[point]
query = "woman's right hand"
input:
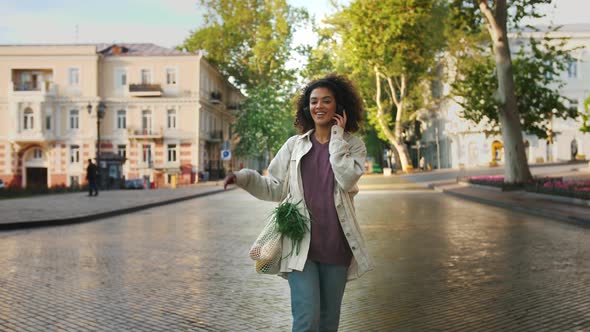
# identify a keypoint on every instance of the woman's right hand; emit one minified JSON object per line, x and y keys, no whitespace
{"x":229,"y":179}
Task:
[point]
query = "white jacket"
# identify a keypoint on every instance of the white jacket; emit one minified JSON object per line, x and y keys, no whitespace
{"x":347,"y":157}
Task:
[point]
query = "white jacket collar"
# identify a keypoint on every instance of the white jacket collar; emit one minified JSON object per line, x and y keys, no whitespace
{"x":309,"y":132}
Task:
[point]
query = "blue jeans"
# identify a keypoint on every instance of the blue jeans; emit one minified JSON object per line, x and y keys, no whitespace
{"x":316,"y":296}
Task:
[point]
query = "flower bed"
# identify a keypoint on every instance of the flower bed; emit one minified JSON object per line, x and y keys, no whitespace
{"x":546,"y":185}
{"x":496,"y":181}
{"x":573,"y":189}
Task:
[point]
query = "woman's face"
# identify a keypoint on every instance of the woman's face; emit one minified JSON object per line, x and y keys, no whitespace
{"x":322,"y":106}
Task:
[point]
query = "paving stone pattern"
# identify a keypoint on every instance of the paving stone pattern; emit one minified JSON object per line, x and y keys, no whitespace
{"x":442,"y":264}
{"x":76,"y":205}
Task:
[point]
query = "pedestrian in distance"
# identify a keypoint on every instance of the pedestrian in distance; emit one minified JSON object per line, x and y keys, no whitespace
{"x":422,"y":164}
{"x":91,"y":171}
{"x":323,"y":164}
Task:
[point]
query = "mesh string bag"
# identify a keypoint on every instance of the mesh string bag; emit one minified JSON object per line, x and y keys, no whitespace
{"x":286,"y":220}
{"x":267,"y":249}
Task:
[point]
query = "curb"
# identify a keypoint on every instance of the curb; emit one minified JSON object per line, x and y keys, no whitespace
{"x":583,"y":222}
{"x":97,"y":216}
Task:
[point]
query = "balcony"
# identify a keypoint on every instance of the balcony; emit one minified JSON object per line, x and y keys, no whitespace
{"x":215,"y":136}
{"x":145,"y":90}
{"x":233,"y":107}
{"x":31,"y":82}
{"x":174,"y":133}
{"x":33,"y":136}
{"x":44,"y":88}
{"x":145,"y":133}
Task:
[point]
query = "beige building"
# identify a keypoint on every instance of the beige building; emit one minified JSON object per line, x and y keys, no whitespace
{"x":451,"y":141}
{"x":167,"y":114}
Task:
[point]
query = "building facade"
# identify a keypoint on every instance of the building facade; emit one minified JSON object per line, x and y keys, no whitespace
{"x":167,"y":114}
{"x":449,"y":141}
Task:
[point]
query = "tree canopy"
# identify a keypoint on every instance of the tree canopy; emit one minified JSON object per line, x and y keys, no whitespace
{"x":391,"y":47}
{"x":251,"y":41}
{"x":264,"y":123}
{"x":537,"y":68}
{"x":471,"y":17}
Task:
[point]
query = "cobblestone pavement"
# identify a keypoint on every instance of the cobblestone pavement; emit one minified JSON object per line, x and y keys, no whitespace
{"x":442,"y":264}
{"x":73,"y":207}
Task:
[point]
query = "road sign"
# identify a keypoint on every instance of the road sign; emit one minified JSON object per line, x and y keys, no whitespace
{"x":225,"y":155}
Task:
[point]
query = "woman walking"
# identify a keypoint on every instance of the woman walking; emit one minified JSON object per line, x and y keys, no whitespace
{"x":323,"y":165}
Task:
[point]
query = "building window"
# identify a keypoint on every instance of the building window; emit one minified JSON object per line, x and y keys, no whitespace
{"x":171,"y":152}
{"x":572,"y":68}
{"x":74,"y":181}
{"x":147,"y":153}
{"x":122,"y":150}
{"x":74,"y":119}
{"x":74,"y":154}
{"x":146,"y":122}
{"x":121,"y":119}
{"x":120,"y":78}
{"x":48,"y":122}
{"x":573,"y":104}
{"x":549,"y":73}
{"x":74,"y":76}
{"x":37,"y":154}
{"x":171,"y":119}
{"x":170,"y":76}
{"x":146,"y":76}
{"x":28,"y":119}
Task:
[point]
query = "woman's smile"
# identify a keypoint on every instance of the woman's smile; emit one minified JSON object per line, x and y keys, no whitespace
{"x":323,"y":106}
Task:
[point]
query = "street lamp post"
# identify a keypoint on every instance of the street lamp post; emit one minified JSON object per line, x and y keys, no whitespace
{"x":100,"y":110}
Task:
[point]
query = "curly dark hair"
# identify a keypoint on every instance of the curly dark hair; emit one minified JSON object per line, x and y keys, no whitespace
{"x":346,"y":95}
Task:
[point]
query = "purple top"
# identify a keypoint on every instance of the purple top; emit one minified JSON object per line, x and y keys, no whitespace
{"x":328,"y":244}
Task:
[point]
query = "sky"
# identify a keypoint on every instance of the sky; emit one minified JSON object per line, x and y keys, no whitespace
{"x":163,"y":22}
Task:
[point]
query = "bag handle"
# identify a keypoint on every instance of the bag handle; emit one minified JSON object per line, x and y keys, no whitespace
{"x":286,"y":183}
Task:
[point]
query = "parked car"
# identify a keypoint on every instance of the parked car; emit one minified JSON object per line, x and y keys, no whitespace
{"x":1,"y":184}
{"x":134,"y":184}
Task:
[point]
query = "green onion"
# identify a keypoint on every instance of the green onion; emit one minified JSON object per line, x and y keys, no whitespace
{"x":291,"y":223}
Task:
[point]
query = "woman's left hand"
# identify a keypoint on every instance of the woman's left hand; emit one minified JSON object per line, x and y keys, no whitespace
{"x":340,"y":119}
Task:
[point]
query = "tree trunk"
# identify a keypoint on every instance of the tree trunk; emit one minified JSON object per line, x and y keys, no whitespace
{"x":394,"y":138}
{"x":403,"y":154}
{"x":516,"y":169}
{"x":398,"y":143}
{"x":396,"y":158}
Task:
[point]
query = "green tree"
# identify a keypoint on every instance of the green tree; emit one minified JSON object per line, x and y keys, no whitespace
{"x":251,"y":41}
{"x":495,"y":17}
{"x":390,"y":47}
{"x":585,"y":117}
{"x":323,"y":57}
{"x":536,"y":68}
{"x":264,"y":125}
